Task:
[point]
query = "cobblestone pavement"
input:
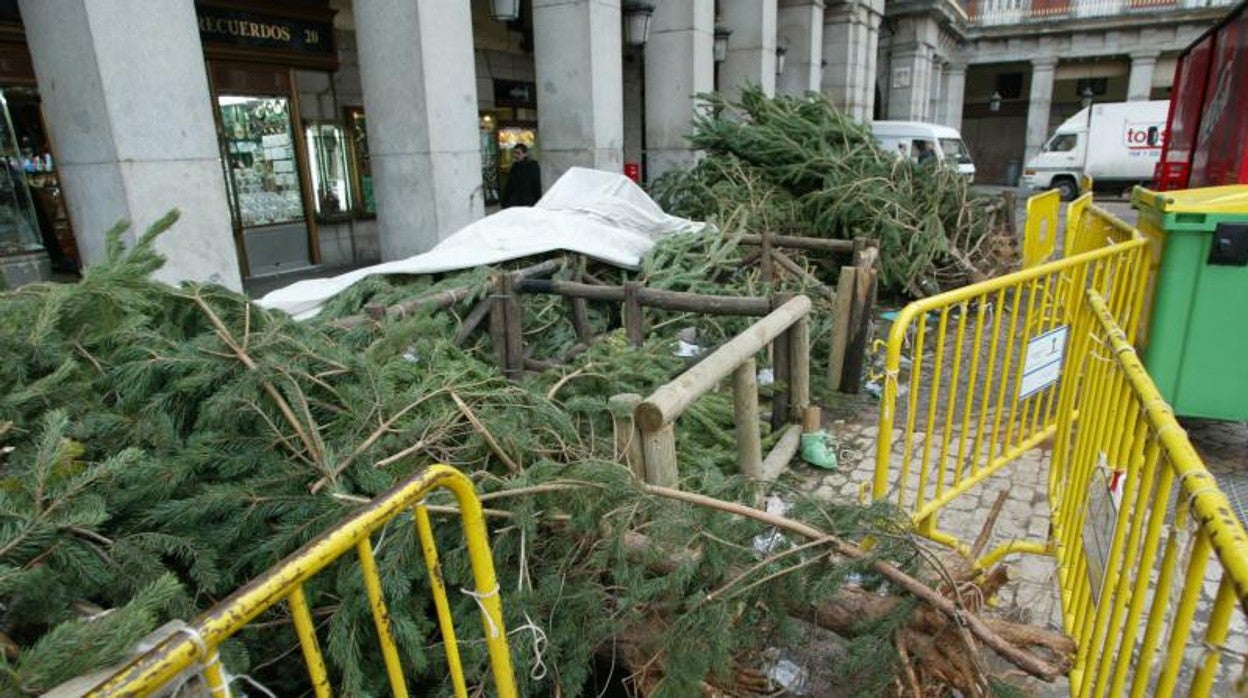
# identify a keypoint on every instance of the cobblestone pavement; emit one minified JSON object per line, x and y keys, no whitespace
{"x":1032,"y":595}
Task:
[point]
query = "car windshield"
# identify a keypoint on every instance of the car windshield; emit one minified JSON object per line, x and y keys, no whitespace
{"x":955,"y":150}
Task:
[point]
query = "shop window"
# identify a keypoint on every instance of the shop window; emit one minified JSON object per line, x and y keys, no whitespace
{"x":261,"y":159}
{"x":328,"y":166}
{"x":361,"y":165}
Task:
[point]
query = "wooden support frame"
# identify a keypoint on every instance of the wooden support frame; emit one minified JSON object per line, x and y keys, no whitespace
{"x":655,"y":416}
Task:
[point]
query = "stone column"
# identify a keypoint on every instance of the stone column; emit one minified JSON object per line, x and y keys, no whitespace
{"x":870,"y":58}
{"x":909,"y":85}
{"x":579,"y":63}
{"x":1140,"y":82}
{"x":1040,"y":103}
{"x":752,"y":49}
{"x":420,"y":94}
{"x":125,"y":92}
{"x":955,"y":93}
{"x":800,"y":24}
{"x":845,"y":47}
{"x":679,"y":65}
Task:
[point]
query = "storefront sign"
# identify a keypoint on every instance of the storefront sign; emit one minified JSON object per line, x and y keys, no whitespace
{"x":233,"y":27}
{"x":514,"y":93}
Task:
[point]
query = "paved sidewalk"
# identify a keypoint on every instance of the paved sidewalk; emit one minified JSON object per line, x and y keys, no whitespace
{"x":1032,"y":594}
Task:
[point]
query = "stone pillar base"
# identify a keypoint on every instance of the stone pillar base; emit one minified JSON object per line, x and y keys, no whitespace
{"x":24,"y":268}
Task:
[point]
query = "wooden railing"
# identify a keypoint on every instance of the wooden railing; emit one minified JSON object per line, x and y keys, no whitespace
{"x":645,"y":429}
{"x":500,"y":309}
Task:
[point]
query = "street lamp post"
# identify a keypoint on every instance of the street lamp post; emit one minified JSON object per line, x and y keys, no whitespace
{"x":636,"y":33}
{"x":719,"y":49}
{"x":994,"y":102}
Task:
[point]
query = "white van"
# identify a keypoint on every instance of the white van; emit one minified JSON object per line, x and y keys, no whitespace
{"x":1117,"y":144}
{"x":911,"y":138}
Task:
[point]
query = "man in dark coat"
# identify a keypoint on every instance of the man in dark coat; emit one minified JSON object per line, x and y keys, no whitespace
{"x":524,"y":183}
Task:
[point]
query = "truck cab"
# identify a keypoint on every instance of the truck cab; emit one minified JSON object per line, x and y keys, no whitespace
{"x":1060,"y":163}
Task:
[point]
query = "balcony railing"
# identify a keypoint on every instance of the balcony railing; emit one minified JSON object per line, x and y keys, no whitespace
{"x":985,"y":13}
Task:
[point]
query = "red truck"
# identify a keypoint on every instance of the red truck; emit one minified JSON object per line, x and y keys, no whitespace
{"x":1207,"y":131}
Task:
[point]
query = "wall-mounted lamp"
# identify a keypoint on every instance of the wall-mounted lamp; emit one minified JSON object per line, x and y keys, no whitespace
{"x":781,"y":51}
{"x":637,"y":22}
{"x":994,"y":102}
{"x":505,"y":10}
{"x":720,"y":47}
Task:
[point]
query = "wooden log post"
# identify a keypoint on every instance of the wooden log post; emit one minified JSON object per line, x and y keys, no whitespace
{"x":745,"y":414}
{"x":795,"y":242}
{"x":840,"y":327}
{"x":659,"y":452}
{"x":634,"y":320}
{"x":782,"y":453}
{"x":580,"y":307}
{"x":498,"y":323}
{"x":860,"y":323}
{"x":514,"y":366}
{"x":626,"y":436}
{"x":766,"y":262}
{"x":781,"y":368}
{"x":799,"y":369}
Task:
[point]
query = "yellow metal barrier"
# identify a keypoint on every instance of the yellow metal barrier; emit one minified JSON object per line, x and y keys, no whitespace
{"x":1040,"y":230}
{"x":196,"y":647}
{"x":979,"y":367}
{"x":1148,"y":623}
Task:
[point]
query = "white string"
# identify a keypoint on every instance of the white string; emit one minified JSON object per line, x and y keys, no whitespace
{"x":253,"y":682}
{"x":479,"y":598}
{"x":540,"y":642}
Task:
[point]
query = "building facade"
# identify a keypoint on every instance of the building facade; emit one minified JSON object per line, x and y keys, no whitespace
{"x":332,"y":133}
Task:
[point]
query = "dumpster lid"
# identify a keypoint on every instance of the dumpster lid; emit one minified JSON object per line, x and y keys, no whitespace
{"x":1227,"y":199}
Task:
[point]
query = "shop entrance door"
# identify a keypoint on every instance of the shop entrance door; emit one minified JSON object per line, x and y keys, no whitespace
{"x":262,"y":153}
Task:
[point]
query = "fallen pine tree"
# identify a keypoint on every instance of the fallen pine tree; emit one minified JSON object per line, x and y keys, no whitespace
{"x":162,"y":446}
{"x":799,"y":166}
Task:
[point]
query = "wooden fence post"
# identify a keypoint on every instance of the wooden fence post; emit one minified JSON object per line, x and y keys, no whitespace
{"x":634,"y":321}
{"x":659,"y":449}
{"x":498,"y":323}
{"x":859,"y":322}
{"x":514,"y":365}
{"x":781,"y":368}
{"x":627,"y":437}
{"x":745,"y":414}
{"x":840,"y":327}
{"x":799,"y":368}
{"x":765,"y":260}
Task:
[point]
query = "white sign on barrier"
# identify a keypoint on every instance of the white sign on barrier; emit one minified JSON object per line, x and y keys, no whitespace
{"x":1043,"y":365}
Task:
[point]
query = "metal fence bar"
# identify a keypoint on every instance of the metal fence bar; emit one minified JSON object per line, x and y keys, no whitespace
{"x":1109,"y":597}
{"x":306,"y":630}
{"x":153,"y":670}
{"x":984,"y":403}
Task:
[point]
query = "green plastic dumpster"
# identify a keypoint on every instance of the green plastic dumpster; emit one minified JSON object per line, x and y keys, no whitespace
{"x":1197,"y":333}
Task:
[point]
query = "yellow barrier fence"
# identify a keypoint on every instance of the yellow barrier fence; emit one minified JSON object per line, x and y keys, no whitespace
{"x":195,"y":648}
{"x":1040,"y":228}
{"x":1152,"y":562}
{"x":970,"y":374}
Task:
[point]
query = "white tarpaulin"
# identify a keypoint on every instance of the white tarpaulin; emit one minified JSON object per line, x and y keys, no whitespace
{"x":599,"y":214}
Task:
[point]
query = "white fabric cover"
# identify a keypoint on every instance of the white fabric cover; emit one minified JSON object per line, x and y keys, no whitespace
{"x":600,"y":214}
